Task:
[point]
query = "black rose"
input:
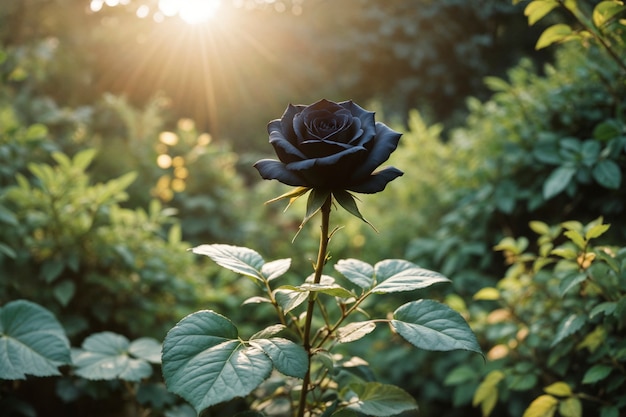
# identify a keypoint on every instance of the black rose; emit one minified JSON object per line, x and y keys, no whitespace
{"x":328,"y":145}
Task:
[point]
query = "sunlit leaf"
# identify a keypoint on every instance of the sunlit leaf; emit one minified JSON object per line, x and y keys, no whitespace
{"x":288,"y":358}
{"x":536,"y":10}
{"x":146,"y":348}
{"x":292,"y":195}
{"x":430,"y":325}
{"x":486,"y":394}
{"x":268,"y":331}
{"x":289,"y":299}
{"x":356,"y":271}
{"x":396,"y":275}
{"x":487,"y":293}
{"x":205,"y":362}
{"x":256,"y":300}
{"x":330,"y":289}
{"x":560,"y":389}
{"x":238,"y":259}
{"x":32,"y":342}
{"x":376,"y":399}
{"x":605,"y":11}
{"x":576,"y":238}
{"x":596,"y":231}
{"x":555,"y":33}
{"x":355,"y":331}
{"x":106,"y":356}
{"x":542,"y":406}
{"x":275,"y":269}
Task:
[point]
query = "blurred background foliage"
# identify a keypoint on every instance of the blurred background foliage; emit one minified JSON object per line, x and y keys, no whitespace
{"x":127,"y":135}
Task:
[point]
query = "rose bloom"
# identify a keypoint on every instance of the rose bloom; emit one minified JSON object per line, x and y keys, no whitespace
{"x":328,"y":145}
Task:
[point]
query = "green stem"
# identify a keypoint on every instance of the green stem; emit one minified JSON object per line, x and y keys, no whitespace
{"x":319,"y":267}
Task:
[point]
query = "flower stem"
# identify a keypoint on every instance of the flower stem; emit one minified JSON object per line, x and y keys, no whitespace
{"x":319,"y":267}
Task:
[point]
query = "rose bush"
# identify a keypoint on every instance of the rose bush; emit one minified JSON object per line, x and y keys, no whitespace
{"x":333,"y":146}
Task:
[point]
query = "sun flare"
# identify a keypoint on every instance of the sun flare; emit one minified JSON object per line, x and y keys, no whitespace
{"x":190,"y":11}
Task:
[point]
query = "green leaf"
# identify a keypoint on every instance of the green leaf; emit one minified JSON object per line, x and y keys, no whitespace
{"x":609,"y":411}
{"x":568,"y":326}
{"x":64,"y":292}
{"x":256,"y":300}
{"x":32,"y":342}
{"x":288,"y":299}
{"x":356,"y":271}
{"x":147,"y":349}
{"x":268,"y":331}
{"x":430,"y":325}
{"x":558,"y":180}
{"x":51,"y":269}
{"x":570,"y":281}
{"x":288,"y":358}
{"x":536,"y":10}
{"x":555,"y":33}
{"x":355,"y":331}
{"x":325,"y":288}
{"x":376,"y":399}
{"x":7,"y":216}
{"x":608,"y":174}
{"x":542,"y":406}
{"x":275,"y":269}
{"x":571,"y":407}
{"x":8,"y":251}
{"x":597,"y":373}
{"x":460,"y":375}
{"x":314,"y":203}
{"x":607,"y":308}
{"x":607,"y":130}
{"x":396,"y":275}
{"x":347,"y":201}
{"x":205,"y":363}
{"x":106,"y":356}
{"x":238,"y":259}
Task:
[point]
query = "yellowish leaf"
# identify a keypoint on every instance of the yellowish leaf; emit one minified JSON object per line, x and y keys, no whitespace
{"x":560,"y":389}
{"x":487,"y":293}
{"x":542,"y":406}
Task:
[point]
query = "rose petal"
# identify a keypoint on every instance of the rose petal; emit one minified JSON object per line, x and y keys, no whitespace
{"x":377,"y":181}
{"x":368,"y":122}
{"x":326,"y":161}
{"x":286,"y":120}
{"x":271,"y":169}
{"x":284,"y":149}
{"x":385,"y":143}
